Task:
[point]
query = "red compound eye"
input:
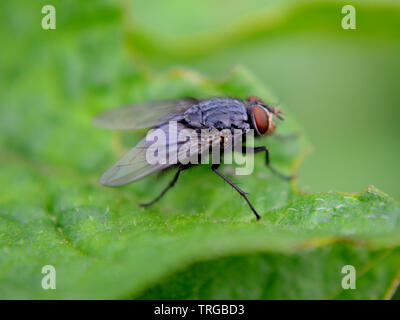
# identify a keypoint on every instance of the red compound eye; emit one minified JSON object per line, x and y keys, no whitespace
{"x":261,"y":119}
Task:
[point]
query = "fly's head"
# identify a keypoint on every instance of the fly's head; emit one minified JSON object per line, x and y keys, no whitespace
{"x":262,"y":116}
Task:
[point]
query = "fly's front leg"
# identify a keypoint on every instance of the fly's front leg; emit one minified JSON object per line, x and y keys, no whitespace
{"x":261,"y":149}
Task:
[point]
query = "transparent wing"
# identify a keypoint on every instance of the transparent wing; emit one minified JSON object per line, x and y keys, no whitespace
{"x":142,"y":115}
{"x":134,"y":165}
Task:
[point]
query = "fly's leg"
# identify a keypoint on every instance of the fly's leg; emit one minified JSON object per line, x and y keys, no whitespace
{"x":169,"y":186}
{"x":214,"y":168}
{"x":261,"y":149}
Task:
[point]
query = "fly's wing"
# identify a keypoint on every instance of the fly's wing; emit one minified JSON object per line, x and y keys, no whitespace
{"x":142,"y":115}
{"x":134,"y":165}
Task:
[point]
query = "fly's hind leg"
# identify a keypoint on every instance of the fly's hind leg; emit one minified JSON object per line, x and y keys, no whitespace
{"x":261,"y":149}
{"x":169,"y":186}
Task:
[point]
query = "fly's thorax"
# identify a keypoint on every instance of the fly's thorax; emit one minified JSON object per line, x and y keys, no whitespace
{"x":218,"y":113}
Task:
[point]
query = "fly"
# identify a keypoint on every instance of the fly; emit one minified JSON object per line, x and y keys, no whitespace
{"x":216,"y":113}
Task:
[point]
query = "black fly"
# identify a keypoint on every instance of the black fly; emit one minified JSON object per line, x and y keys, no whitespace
{"x":189,"y":113}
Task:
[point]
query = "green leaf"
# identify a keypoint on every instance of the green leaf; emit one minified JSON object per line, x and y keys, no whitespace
{"x":201,"y":240}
